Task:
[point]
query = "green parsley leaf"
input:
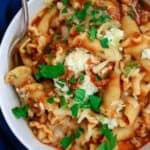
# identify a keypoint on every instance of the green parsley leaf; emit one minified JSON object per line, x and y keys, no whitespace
{"x":55,"y":37}
{"x":104,"y":42}
{"x":94,"y":12}
{"x":51,"y":72}
{"x":112,"y":139}
{"x":74,"y":110}
{"x":131,"y":15}
{"x":69,"y":92}
{"x":21,"y":112}
{"x":65,"y":2}
{"x":101,"y":19}
{"x":38,"y":76}
{"x":68,"y":27}
{"x":72,"y":80}
{"x":95,"y":102}
{"x":63,"y":102}
{"x":79,"y":95}
{"x":61,"y":83}
{"x":92,"y":33}
{"x":78,"y":132}
{"x":98,"y":78}
{"x":81,"y":14}
{"x":87,"y":5}
{"x":50,"y":100}
{"x":64,"y":40}
{"x":79,"y":28}
{"x":81,"y":78}
{"x":129,"y":67}
{"x":103,"y":146}
{"x":66,"y":141}
{"x":64,"y":10}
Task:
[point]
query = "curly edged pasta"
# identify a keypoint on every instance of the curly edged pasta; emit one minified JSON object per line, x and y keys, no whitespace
{"x":85,"y":77}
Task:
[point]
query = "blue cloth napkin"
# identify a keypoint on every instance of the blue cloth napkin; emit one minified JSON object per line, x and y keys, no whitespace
{"x":8,"y":9}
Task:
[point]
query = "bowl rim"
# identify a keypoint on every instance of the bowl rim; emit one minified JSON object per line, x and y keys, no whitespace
{"x":6,"y":116}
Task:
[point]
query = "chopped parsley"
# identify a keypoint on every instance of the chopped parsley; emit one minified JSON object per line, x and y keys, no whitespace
{"x":50,"y":72}
{"x":61,"y":83}
{"x":65,"y":2}
{"x":98,"y":78}
{"x":21,"y":112}
{"x":129,"y":67}
{"x":79,"y":95}
{"x":81,"y":14}
{"x":50,"y":100}
{"x":66,"y":141}
{"x":92,"y":33}
{"x":38,"y":76}
{"x":64,"y":40}
{"x":72,"y":80}
{"x":63,"y":102}
{"x":69,"y":92}
{"x":79,"y":28}
{"x":81,"y":78}
{"x":111,"y":139}
{"x":64,"y":10}
{"x":131,"y":15}
{"x":55,"y":37}
{"x":95,"y":102}
{"x":78,"y":132}
{"x":75,"y":109}
{"x":101,"y":19}
{"x":104,"y":42}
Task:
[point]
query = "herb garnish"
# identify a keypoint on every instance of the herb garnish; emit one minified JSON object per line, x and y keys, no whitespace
{"x":111,"y":139}
{"x":21,"y":112}
{"x":104,"y":42}
{"x":75,"y":109}
{"x":81,"y":77}
{"x":67,"y":141}
{"x":50,"y":72}
{"x":95,"y":102}
{"x":92,"y":33}
{"x":65,"y":2}
{"x":129,"y":67}
{"x":64,"y":10}
{"x":50,"y":100}
{"x":78,"y":132}
{"x":72,"y":80}
{"x":63,"y":102}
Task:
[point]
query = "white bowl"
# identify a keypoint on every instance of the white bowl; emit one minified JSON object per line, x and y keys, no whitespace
{"x":8,"y":98}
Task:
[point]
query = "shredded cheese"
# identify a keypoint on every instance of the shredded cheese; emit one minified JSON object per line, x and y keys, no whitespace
{"x":76,"y":60}
{"x":146,"y":54}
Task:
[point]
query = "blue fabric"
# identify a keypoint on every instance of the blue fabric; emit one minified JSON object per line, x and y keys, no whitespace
{"x":8,"y":9}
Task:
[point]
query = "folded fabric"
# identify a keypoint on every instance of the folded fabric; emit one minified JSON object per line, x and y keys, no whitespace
{"x":8,"y":9}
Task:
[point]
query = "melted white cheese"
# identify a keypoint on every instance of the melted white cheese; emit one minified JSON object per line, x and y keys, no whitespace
{"x":63,"y":88}
{"x":112,"y":123}
{"x":76,"y":60}
{"x":146,"y":53}
{"x":88,"y":86}
{"x":114,"y":36}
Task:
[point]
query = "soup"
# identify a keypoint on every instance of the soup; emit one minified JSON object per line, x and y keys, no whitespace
{"x":82,"y":73}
